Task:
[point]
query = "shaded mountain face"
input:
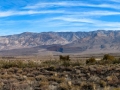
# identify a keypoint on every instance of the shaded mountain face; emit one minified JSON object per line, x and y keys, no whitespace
{"x":64,"y":41}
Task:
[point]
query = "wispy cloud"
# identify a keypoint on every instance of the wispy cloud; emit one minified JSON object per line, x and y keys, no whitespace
{"x":71,"y":4}
{"x":99,"y":13}
{"x":108,"y":24}
{"x":48,"y":4}
{"x":5,"y":14}
{"x":69,"y":13}
{"x":87,"y":22}
{"x":118,"y":1}
{"x":68,"y":19}
{"x":29,"y":12}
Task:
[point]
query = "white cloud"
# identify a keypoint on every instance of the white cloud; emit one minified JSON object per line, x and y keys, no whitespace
{"x":69,"y":13}
{"x":70,"y":4}
{"x":5,"y":14}
{"x":88,"y":14}
{"x":99,"y":13}
{"x":70,"y":19}
{"x":30,"y":12}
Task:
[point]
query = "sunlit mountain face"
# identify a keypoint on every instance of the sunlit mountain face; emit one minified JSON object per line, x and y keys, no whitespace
{"x":99,"y":41}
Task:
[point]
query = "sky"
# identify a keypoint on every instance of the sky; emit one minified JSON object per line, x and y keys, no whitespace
{"x":17,"y":16}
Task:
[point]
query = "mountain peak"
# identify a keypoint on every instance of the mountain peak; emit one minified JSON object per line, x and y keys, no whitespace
{"x":27,"y":33}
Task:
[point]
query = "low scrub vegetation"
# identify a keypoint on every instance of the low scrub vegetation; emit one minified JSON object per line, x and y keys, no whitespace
{"x":90,"y":60}
{"x":107,"y":59}
{"x":62,"y":74}
{"x":17,"y":63}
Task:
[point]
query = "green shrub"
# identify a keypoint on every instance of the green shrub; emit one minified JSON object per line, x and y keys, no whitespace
{"x":90,"y":60}
{"x":64,"y":58}
{"x":108,"y":57}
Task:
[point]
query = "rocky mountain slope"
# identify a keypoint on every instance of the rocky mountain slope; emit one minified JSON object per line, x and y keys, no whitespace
{"x":64,"y":41}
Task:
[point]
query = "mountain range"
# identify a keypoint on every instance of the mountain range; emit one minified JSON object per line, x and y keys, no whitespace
{"x":100,"y":41}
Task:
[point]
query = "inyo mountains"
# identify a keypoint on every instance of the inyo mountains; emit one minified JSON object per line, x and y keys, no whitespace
{"x":100,"y":41}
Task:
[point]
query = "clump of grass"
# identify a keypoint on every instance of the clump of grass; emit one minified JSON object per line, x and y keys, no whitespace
{"x":116,"y":61}
{"x":102,"y":83}
{"x":63,"y":86}
{"x":56,"y":79}
{"x":66,"y":63}
{"x":44,"y":85}
{"x":51,"y":63}
{"x":76,"y":63}
{"x":40,"y":78}
{"x":32,"y":64}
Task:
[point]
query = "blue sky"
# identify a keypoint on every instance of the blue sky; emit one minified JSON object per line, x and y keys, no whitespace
{"x":17,"y":16}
